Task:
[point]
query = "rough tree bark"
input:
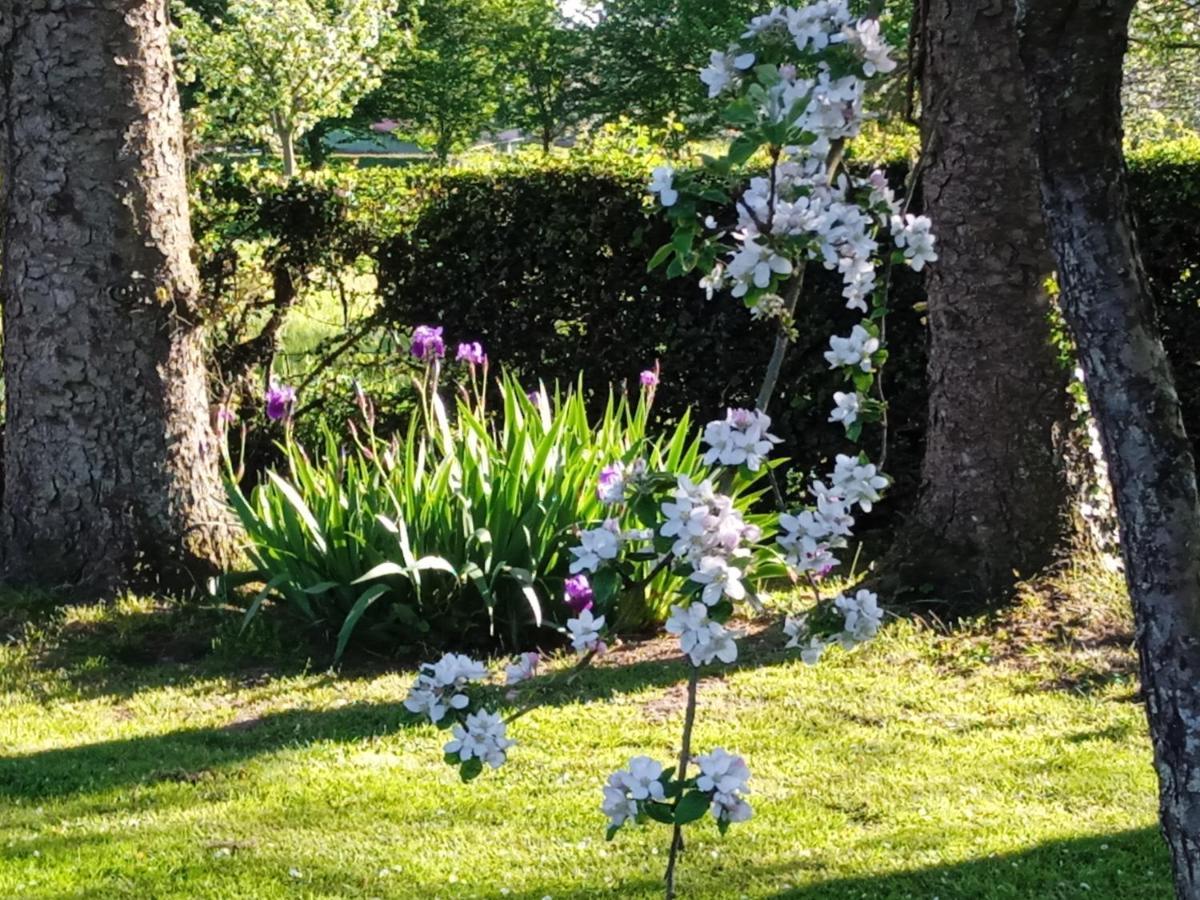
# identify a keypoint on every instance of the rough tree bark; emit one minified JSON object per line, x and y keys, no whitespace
{"x":1073,"y":52}
{"x":109,"y":459}
{"x":996,"y":496}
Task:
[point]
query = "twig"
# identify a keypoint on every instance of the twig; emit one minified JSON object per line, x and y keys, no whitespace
{"x":782,"y":339}
{"x":685,"y":754}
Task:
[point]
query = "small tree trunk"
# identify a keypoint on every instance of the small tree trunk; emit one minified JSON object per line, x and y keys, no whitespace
{"x":287,"y":141}
{"x":110,"y":462}
{"x":996,"y":498}
{"x":1073,"y":52}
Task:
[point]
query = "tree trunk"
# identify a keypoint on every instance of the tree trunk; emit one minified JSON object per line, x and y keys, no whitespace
{"x":995,"y":502}
{"x":110,"y":464}
{"x":1073,"y":52}
{"x":287,"y":141}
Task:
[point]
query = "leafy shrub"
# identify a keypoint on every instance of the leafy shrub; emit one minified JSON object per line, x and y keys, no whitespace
{"x":547,"y":263}
{"x":457,"y":534}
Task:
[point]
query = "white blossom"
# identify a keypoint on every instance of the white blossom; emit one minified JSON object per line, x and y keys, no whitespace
{"x":719,"y":579}
{"x":853,"y":351}
{"x":863,"y":617}
{"x":741,"y":438}
{"x":914,"y":235}
{"x":726,"y":777}
{"x":596,"y":545}
{"x":438,"y":687}
{"x":483,"y":737}
{"x":662,"y":183}
{"x":857,"y":482}
{"x":703,"y":522}
{"x":755,"y":264}
{"x":585,"y":630}
{"x":628,"y":787}
{"x":702,"y":639}
{"x":723,"y":70}
{"x":523,"y":669}
{"x":870,"y":45}
{"x":846,"y":408}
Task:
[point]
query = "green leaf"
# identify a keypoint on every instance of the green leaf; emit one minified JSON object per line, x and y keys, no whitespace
{"x":383,"y":570}
{"x":659,"y":812}
{"x":470,"y":769}
{"x":262,"y":595}
{"x":369,"y":596}
{"x":660,"y":256}
{"x":691,"y":807}
{"x":322,"y":587}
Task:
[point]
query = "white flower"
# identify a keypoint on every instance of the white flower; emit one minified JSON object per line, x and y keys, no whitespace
{"x":523,"y":669}
{"x":755,"y":264}
{"x":627,"y":787}
{"x":863,"y":617}
{"x":437,"y":689}
{"x":802,"y":551}
{"x":702,"y":639}
{"x":796,"y":629}
{"x":855,"y":350}
{"x":846,"y":408}
{"x":484,"y":738}
{"x":661,"y":183}
{"x":866,"y":39}
{"x":703,"y":522}
{"x":810,"y":654}
{"x":726,"y":777}
{"x":585,"y":631}
{"x":719,"y":579}
{"x":818,"y":24}
{"x":596,"y":545}
{"x":857,"y":482}
{"x":741,"y":438}
{"x":724,"y":69}
{"x":914,"y":236}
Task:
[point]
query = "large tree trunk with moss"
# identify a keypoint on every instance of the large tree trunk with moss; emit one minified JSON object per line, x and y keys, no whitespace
{"x":996,"y":496}
{"x":1073,"y":52}
{"x":110,"y":463}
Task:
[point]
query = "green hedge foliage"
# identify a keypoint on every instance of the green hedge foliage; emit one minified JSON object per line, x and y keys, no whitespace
{"x":545,"y":261}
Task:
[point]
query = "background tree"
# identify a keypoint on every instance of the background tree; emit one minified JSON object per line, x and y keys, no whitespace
{"x":648,"y":55}
{"x":110,"y":462}
{"x":444,"y":93}
{"x":277,"y":67}
{"x":1073,"y":52}
{"x":995,"y":502}
{"x":546,"y":65}
{"x":1162,"y":68}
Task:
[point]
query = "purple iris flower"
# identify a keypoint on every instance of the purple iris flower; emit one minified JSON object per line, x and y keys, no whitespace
{"x":649,"y":378}
{"x":280,"y":398}
{"x":579,"y":593}
{"x":427,"y":342}
{"x":471,"y":353}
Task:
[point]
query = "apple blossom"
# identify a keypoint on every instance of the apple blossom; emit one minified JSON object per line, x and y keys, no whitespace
{"x":585,"y":631}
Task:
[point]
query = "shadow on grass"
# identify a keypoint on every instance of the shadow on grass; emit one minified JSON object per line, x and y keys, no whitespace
{"x":188,"y":754}
{"x":1124,"y":865}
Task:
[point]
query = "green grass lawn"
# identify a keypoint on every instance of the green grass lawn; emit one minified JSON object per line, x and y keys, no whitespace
{"x":1010,"y":762}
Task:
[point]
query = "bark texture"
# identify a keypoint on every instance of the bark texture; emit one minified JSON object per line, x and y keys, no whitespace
{"x":109,"y":459}
{"x":1073,"y":52}
{"x":995,"y":501}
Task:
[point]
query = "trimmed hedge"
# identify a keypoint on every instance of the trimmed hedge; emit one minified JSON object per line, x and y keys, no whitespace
{"x":545,"y":262}
{"x":548,"y":267}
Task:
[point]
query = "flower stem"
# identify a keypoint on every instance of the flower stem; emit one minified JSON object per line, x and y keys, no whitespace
{"x":685,"y":754}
